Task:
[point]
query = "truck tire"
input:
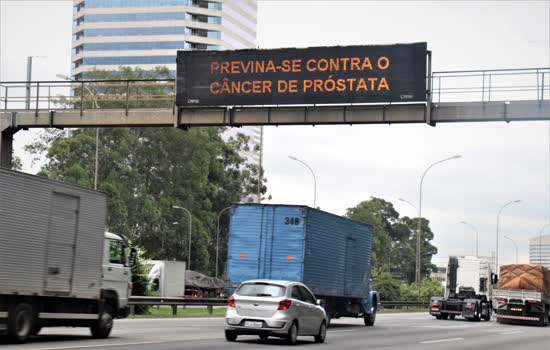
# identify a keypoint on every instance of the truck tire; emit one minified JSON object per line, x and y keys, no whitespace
{"x":102,"y":327}
{"x":20,"y":323}
{"x":452,"y":317}
{"x":444,"y":316}
{"x":488,"y":316}
{"x":370,"y":318}
{"x":292,"y":335}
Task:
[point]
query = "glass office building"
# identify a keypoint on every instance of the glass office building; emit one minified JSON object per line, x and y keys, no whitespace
{"x":539,"y":250}
{"x":148,"y":33}
{"x":144,"y":34}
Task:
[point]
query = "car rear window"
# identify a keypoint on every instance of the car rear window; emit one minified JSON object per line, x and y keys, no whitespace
{"x":261,"y":290}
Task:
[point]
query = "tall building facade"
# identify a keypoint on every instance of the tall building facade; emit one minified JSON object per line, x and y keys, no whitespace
{"x":148,"y":33}
{"x":539,"y":250}
{"x":144,"y":34}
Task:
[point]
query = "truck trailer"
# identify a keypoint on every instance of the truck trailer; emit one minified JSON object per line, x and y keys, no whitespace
{"x":329,"y":253}
{"x":472,"y":277}
{"x":523,"y":295}
{"x":58,"y":266}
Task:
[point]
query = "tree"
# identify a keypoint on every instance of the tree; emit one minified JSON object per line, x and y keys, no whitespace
{"x":394,"y":239}
{"x":431,"y":288}
{"x":387,"y":287}
{"x":146,"y":171}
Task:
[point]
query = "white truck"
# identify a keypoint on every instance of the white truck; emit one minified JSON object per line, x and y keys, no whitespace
{"x":57,"y":265}
{"x":167,"y":277}
{"x":472,"y":277}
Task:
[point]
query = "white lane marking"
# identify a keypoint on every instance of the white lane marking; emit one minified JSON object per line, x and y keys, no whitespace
{"x":440,"y":340}
{"x":514,"y":332}
{"x":344,"y":330}
{"x":100,"y":345}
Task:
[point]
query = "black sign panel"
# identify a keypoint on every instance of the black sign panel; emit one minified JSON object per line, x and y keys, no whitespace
{"x":316,"y":75}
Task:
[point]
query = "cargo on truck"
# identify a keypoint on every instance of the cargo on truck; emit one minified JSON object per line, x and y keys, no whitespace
{"x":523,"y":295}
{"x":468,"y":290}
{"x":328,"y":253}
{"x":58,"y":266}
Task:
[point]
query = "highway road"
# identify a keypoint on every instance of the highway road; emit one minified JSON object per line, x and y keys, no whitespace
{"x":391,"y":331}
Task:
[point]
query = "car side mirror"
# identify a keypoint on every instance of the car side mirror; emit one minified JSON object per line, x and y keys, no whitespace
{"x":133,"y":256}
{"x":318,"y":302}
{"x":494,"y":278}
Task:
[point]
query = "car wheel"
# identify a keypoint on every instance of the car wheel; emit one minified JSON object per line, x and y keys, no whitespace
{"x":264,"y":336}
{"x":230,"y":335}
{"x":320,"y":337}
{"x":292,"y":334}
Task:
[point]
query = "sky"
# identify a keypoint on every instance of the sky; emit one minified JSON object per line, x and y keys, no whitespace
{"x":500,"y":162}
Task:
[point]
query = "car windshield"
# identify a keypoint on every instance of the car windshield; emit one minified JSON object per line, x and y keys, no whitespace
{"x":260,"y":290}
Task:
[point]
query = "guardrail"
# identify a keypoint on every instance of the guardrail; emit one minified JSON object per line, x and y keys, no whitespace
{"x":174,"y":302}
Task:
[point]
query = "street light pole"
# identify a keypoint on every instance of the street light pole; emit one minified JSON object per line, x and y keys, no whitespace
{"x":218,"y":238}
{"x":314,"y":180}
{"x":190,"y":218}
{"x":96,"y":105}
{"x":409,"y":203}
{"x":419,"y":233}
{"x":540,"y":242}
{"x":477,"y":235}
{"x":515,"y":245}
{"x":498,"y":217}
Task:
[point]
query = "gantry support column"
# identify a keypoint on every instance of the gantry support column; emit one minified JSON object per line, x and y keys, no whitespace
{"x":6,"y":139}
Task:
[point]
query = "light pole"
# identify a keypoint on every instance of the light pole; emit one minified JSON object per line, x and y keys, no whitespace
{"x":515,"y":245}
{"x":419,"y":233}
{"x":409,"y":203}
{"x":314,"y":180}
{"x":540,"y":242}
{"x":96,"y":105}
{"x":477,"y":235}
{"x":498,"y":216}
{"x":218,"y":238}
{"x":188,"y":255}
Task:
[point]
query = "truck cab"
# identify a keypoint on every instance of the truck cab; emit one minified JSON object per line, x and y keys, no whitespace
{"x":117,"y":276}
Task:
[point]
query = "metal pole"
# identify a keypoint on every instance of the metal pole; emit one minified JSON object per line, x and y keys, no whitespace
{"x":260,"y":166}
{"x":218,"y":238}
{"x":515,"y":245}
{"x":419,"y":233}
{"x":314,"y":180}
{"x":498,"y":216}
{"x":477,"y":235}
{"x":540,"y":242}
{"x":189,"y":254}
{"x":28,"y":88}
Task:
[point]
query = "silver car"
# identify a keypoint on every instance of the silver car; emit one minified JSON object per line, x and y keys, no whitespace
{"x":281,"y":309}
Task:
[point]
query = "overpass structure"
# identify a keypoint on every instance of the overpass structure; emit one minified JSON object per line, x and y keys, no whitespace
{"x":453,"y":96}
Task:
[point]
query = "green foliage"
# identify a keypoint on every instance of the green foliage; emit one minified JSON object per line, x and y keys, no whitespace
{"x":431,"y":288}
{"x":147,"y":171}
{"x":394,"y":239}
{"x":140,"y":280}
{"x":386,"y":286}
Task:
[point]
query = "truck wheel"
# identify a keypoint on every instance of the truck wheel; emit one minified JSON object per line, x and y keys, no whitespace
{"x":328,"y":319}
{"x":320,"y":337}
{"x":292,"y":334}
{"x":452,"y":317}
{"x":488,"y":316}
{"x":102,"y":327}
{"x":20,"y":323}
{"x":444,"y":316}
{"x":370,"y":318}
{"x":438,"y":317}
{"x":230,"y":335}
{"x":476,"y":313}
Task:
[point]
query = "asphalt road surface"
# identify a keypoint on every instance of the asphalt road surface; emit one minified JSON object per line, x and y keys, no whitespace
{"x":391,"y":331}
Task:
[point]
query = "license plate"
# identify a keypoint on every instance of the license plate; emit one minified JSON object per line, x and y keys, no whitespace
{"x":253,"y":324}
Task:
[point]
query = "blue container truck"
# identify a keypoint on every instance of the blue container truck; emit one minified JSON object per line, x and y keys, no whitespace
{"x":327,"y":252}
